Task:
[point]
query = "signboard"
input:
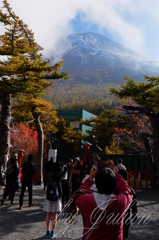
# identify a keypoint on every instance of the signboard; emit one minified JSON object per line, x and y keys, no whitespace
{"x":52,"y":153}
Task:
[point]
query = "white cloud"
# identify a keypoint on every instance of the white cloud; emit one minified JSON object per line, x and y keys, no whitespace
{"x":50,"y":19}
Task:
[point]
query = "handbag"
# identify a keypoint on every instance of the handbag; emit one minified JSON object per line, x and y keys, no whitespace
{"x":52,"y":193}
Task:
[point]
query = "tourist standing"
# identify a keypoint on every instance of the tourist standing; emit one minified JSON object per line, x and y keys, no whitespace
{"x":120,"y":165}
{"x":66,"y":182}
{"x":82,"y":171}
{"x":74,"y":175}
{"x":53,"y":207}
{"x":11,"y":175}
{"x":131,"y":213}
{"x":28,"y":170}
{"x":48,"y":168}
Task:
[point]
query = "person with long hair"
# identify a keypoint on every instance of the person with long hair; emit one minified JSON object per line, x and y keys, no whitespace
{"x":82,"y":171}
{"x":53,"y":207}
{"x":74,"y":175}
{"x":48,"y":167}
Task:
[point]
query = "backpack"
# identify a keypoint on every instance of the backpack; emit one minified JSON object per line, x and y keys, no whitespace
{"x":52,"y":193}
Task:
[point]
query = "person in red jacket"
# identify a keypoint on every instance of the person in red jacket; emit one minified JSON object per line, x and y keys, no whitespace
{"x":103,"y":211}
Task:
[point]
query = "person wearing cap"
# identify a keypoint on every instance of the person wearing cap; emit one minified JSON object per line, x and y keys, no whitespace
{"x":120,"y":166}
{"x":11,"y":174}
{"x":74,"y":174}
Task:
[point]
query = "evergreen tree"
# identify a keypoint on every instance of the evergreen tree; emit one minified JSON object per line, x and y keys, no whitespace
{"x":146,"y":97}
{"x":102,"y":128}
{"x":23,"y":71}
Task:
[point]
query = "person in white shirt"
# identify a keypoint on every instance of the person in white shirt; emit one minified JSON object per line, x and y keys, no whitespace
{"x":120,"y":166}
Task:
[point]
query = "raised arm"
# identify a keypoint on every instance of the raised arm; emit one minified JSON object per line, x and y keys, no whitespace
{"x":82,"y":199}
{"x":125,"y":194}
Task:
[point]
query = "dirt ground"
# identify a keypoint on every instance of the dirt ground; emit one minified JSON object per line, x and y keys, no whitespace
{"x":29,"y":223}
{"x":148,"y":205}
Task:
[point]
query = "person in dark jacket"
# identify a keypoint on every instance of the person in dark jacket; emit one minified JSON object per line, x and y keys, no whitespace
{"x":131,"y":213}
{"x":91,"y":163}
{"x":53,"y":207}
{"x":48,"y":168}
{"x":74,"y":175}
{"x":16,"y":183}
{"x":82,"y":171}
{"x":28,"y":170}
{"x":11,"y":174}
{"x":66,"y":182}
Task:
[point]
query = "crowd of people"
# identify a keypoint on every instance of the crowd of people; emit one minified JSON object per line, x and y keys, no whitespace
{"x":94,"y":189}
{"x":106,"y":202}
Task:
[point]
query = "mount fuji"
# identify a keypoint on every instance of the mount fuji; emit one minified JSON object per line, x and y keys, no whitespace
{"x":92,"y":58}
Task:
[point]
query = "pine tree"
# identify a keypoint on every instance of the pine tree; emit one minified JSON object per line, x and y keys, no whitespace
{"x":102,"y":127}
{"x":146,"y":96}
{"x":23,"y":71}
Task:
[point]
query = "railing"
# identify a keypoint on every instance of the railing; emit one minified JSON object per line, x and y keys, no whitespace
{"x":138,"y":179}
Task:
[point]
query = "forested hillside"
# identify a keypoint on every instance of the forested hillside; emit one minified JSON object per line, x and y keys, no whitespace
{"x":94,"y":62}
{"x":91,"y":98}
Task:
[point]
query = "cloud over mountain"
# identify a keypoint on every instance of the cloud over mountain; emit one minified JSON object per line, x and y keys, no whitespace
{"x":93,"y":58}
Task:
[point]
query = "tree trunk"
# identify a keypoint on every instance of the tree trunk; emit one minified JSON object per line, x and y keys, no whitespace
{"x":4,"y":134}
{"x":155,"y":122}
{"x":39,"y":163}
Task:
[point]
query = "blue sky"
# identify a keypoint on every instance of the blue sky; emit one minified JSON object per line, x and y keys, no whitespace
{"x":133,"y":23}
{"x":80,"y":27}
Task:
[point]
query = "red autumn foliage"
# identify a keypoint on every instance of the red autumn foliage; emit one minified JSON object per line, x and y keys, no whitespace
{"x":129,"y":136}
{"x":26,"y":138}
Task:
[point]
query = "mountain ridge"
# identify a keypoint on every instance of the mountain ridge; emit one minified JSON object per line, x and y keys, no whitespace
{"x":94,"y":58}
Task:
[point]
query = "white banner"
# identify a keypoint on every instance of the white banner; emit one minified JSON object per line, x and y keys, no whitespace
{"x":52,"y":153}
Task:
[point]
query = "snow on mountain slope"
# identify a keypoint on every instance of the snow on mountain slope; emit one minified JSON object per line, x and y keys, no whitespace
{"x":95,"y":43}
{"x":91,"y":57}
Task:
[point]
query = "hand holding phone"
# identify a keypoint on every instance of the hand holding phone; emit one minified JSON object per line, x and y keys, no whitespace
{"x":93,"y":171}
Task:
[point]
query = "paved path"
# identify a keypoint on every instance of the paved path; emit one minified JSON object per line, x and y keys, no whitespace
{"x":29,"y":223}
